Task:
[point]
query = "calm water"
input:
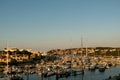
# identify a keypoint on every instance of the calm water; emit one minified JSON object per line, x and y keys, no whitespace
{"x":87,"y":76}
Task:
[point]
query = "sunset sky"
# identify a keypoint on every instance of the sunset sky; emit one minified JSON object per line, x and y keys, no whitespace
{"x":51,"y":24}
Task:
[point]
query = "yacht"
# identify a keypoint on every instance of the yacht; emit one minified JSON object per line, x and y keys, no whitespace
{"x":16,"y":78}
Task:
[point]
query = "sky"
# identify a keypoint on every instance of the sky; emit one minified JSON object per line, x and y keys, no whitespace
{"x":59,"y":24}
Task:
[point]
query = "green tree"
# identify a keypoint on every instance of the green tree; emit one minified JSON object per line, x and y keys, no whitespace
{"x":13,"y":62}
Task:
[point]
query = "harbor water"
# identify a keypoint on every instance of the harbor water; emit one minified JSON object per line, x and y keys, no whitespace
{"x":88,"y":75}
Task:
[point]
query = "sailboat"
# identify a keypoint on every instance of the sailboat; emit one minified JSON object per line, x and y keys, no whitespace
{"x":7,"y":71}
{"x":5,"y":77}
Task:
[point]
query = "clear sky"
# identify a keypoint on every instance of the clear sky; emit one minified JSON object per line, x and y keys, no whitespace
{"x":52,"y":24}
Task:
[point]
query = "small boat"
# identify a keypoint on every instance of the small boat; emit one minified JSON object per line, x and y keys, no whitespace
{"x":101,"y":69}
{"x":16,"y":78}
{"x":50,"y":73}
{"x":3,"y":77}
{"x":92,"y":68}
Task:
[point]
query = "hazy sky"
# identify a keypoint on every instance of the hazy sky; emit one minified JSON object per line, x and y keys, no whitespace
{"x":51,"y":24}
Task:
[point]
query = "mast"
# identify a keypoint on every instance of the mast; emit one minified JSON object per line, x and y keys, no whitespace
{"x":7,"y":58}
{"x":82,"y":58}
{"x":86,"y":47}
{"x":81,"y":46}
{"x":71,"y":56}
{"x":118,"y":54}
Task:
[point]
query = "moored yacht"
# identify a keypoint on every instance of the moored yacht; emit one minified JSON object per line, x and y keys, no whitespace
{"x":101,"y":69}
{"x":16,"y":78}
{"x":3,"y":77}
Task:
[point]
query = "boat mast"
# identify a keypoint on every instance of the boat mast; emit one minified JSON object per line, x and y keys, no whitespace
{"x":71,"y":55}
{"x":82,"y":58}
{"x":118,"y":54}
{"x":86,"y":47}
{"x":81,"y":46}
{"x":7,"y":56}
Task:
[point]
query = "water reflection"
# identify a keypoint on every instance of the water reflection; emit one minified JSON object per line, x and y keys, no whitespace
{"x":87,"y":76}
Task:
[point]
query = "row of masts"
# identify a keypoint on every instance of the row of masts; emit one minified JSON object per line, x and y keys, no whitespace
{"x":81,"y":54}
{"x":86,"y":54}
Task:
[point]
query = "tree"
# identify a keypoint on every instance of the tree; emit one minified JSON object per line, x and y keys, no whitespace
{"x":26,"y":53}
{"x":13,"y":62}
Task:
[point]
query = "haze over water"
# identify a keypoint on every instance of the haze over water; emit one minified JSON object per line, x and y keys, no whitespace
{"x":51,"y":24}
